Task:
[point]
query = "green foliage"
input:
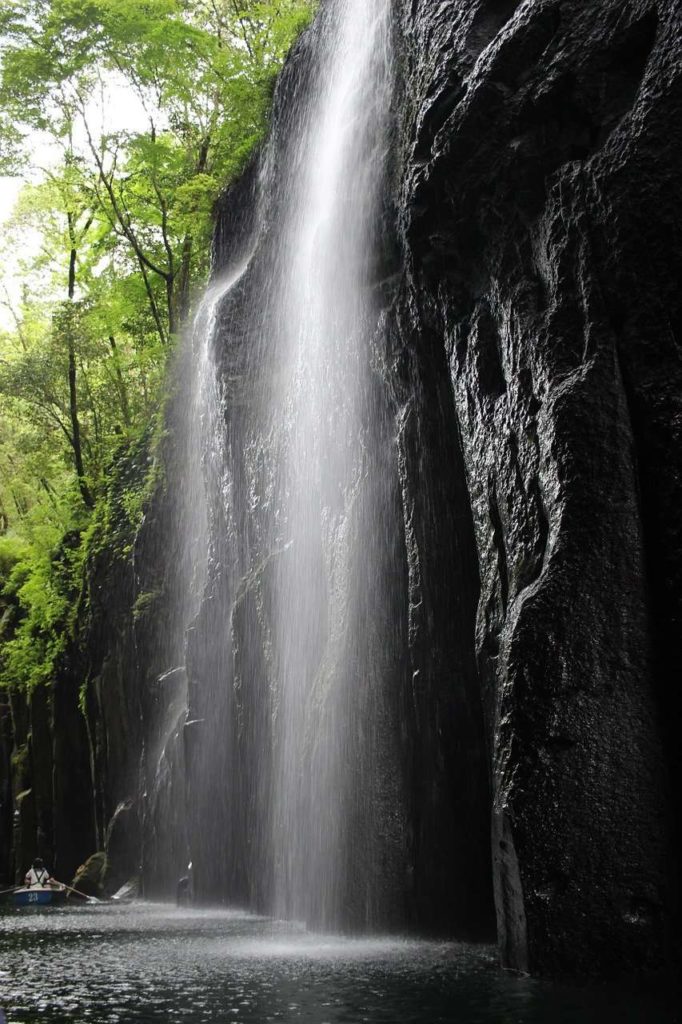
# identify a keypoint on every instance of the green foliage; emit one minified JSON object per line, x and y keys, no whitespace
{"x":40,"y":594}
{"x":133,"y":478}
{"x":44,"y":580}
{"x":144,"y":604}
{"x":199,"y":75}
{"x":107,"y":245}
{"x":20,"y":760}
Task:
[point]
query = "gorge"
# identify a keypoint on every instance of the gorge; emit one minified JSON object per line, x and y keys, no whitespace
{"x":394,"y":649}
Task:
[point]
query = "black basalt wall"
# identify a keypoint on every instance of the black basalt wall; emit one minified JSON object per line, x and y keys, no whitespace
{"x":541,"y":146}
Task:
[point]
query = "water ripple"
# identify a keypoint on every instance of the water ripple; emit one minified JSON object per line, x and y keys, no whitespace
{"x":147,"y":963}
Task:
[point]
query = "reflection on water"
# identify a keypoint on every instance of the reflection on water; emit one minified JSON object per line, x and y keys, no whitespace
{"x":148,"y":962}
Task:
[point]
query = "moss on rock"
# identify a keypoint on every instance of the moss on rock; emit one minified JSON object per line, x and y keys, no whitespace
{"x":89,"y":879}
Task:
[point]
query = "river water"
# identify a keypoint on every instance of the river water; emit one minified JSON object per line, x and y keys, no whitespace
{"x":152,"y":962}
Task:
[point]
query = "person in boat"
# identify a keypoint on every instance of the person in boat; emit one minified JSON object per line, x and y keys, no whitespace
{"x":38,"y":875}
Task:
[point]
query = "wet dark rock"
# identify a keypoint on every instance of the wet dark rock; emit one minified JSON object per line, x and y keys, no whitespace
{"x":74,"y":814}
{"x":122,"y":845}
{"x":444,"y":715}
{"x":87,"y":773}
{"x":25,"y":829}
{"x":542,"y":238}
{"x":90,"y":877}
{"x":42,"y":772}
{"x":6,"y":772}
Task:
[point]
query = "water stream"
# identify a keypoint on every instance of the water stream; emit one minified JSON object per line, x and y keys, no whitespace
{"x":292,"y":658}
{"x":324,"y":427}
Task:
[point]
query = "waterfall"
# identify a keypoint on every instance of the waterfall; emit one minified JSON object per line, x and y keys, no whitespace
{"x":295,"y":659}
{"x":331,"y":756}
{"x":319,"y":410}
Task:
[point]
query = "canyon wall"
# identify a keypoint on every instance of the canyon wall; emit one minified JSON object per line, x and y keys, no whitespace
{"x":540,"y":219}
{"x":527,"y":362}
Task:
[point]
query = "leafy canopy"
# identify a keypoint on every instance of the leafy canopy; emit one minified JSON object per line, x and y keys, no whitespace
{"x":124,"y":118}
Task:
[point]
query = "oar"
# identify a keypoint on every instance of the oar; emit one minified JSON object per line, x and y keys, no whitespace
{"x":13,"y":889}
{"x":79,"y":893}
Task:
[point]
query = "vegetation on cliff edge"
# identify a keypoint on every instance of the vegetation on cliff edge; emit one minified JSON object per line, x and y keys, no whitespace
{"x":123,"y":119}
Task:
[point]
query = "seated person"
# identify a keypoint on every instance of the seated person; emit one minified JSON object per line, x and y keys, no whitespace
{"x":38,"y":875}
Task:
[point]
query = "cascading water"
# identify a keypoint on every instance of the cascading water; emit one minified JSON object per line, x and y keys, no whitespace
{"x":292,"y":660}
{"x":319,"y":412}
{"x":332,"y":769}
{"x":193,"y":421}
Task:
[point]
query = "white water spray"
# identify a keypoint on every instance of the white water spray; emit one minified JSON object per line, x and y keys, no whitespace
{"x":324,"y":302}
{"x":296,"y":806}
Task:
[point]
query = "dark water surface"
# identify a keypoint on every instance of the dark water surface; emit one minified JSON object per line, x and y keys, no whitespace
{"x":150,"y":962}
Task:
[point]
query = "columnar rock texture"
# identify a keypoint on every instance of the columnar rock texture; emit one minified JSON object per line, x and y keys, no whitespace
{"x":6,"y":803}
{"x":540,"y":218}
{"x":46,"y":786}
{"x":131,"y":648}
{"x":93,"y":760}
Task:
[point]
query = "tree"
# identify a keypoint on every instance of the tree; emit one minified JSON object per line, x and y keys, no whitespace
{"x":201,"y":73}
{"x":108,"y":244}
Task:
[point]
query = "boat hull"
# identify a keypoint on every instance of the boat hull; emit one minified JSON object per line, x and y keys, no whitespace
{"x":38,"y":897}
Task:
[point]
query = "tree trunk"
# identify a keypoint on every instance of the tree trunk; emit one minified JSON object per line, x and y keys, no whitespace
{"x":182,"y":289}
{"x":170,"y":300}
{"x":152,"y":301}
{"x":120,"y":383}
{"x":73,"y":396}
{"x":182,"y":293}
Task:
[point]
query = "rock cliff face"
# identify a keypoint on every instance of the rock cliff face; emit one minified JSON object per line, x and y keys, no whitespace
{"x":92,"y":762}
{"x":528,"y":359}
{"x":541,"y":229}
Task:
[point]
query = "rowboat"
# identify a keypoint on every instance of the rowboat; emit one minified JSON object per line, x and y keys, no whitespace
{"x":38,"y":896}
